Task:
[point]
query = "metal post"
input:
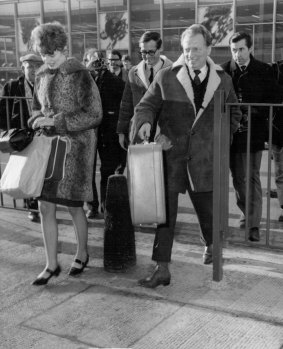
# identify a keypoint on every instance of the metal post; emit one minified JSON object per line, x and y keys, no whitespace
{"x":69,"y":24}
{"x":217,"y":185}
{"x":248,"y":175}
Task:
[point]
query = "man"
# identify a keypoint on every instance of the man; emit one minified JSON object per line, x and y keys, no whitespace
{"x":126,"y":61}
{"x":12,"y":117}
{"x":139,"y":79}
{"x":182,"y":95}
{"x":115,"y":64}
{"x":253,"y":83}
{"x":112,"y":156}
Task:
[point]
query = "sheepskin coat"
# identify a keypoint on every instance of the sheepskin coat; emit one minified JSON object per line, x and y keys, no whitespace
{"x":70,"y":96}
{"x":186,"y":136}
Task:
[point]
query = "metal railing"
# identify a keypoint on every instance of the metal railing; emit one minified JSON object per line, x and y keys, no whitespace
{"x":221,"y":228}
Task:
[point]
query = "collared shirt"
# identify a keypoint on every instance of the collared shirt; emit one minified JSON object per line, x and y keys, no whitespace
{"x":117,"y":72}
{"x":156,"y":68}
{"x":201,"y":75}
{"x":246,"y":65}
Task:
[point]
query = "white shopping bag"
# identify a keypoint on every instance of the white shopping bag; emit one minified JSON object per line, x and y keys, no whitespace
{"x":24,"y":174}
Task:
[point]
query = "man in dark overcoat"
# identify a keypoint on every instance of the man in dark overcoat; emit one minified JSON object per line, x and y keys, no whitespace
{"x":111,"y":87}
{"x":19,"y":110}
{"x":253,"y":83}
{"x":183,"y":97}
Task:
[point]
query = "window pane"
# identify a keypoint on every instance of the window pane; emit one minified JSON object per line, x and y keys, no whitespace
{"x":254,"y":12}
{"x":7,"y":52}
{"x":172,"y":43}
{"x":113,"y":5}
{"x":261,"y":35}
{"x":80,"y":42}
{"x":179,"y":13}
{"x":7,"y":26}
{"x":55,"y":11}
{"x":218,"y":19}
{"x":25,"y":27}
{"x":145,"y":14}
{"x":279,"y":42}
{"x":83,"y":16}
{"x":135,"y":36}
{"x":220,"y":54}
{"x":279,"y":12}
{"x":28,"y":9}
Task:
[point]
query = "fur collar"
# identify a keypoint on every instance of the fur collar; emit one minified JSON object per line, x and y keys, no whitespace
{"x":212,"y":84}
{"x":70,"y":66}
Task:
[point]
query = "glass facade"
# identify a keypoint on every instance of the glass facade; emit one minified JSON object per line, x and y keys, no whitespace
{"x":108,"y":24}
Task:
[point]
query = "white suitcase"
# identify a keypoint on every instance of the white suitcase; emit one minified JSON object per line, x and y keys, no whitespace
{"x":146,"y":184}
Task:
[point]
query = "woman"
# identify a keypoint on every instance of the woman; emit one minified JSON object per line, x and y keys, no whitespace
{"x":66,"y":101}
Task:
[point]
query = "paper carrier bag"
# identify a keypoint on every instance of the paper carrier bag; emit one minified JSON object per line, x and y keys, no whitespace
{"x":24,"y":174}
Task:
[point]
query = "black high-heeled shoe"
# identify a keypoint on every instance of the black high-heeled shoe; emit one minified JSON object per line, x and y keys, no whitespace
{"x":74,"y":271}
{"x":43,"y":281}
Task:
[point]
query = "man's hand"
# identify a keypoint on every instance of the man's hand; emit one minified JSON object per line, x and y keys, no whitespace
{"x":144,"y":131}
{"x":123,"y":141}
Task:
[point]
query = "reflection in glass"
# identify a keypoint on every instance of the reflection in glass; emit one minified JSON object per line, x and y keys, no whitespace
{"x":179,"y":14}
{"x":28,"y":9}
{"x":250,"y":11}
{"x":81,"y":42}
{"x":113,"y":5}
{"x":262,"y":44}
{"x":172,"y":43}
{"x":83,"y":16}
{"x":55,"y":11}
{"x":145,"y":14}
{"x":279,"y":42}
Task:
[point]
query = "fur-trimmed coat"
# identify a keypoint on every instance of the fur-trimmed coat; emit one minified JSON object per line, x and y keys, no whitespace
{"x":70,"y":96}
{"x":187,"y":137}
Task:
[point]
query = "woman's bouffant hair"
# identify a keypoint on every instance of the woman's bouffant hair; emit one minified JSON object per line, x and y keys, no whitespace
{"x":48,"y":38}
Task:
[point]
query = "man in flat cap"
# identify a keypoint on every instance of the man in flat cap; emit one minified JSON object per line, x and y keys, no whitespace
{"x":19,"y":109}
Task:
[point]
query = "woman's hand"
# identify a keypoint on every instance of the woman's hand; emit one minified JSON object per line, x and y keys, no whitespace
{"x":42,"y":122}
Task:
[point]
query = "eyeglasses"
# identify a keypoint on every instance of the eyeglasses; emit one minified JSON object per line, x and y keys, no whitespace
{"x":151,"y":53}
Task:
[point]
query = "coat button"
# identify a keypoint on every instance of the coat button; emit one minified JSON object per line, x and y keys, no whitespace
{"x":189,"y":158}
{"x":192,"y":133}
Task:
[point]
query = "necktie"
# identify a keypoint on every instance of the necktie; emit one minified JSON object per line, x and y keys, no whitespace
{"x":196,"y":78}
{"x":150,"y":79}
{"x":243,"y":68}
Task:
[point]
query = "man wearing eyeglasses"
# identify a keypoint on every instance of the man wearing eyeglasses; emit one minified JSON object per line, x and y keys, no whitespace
{"x":114,"y":61}
{"x":182,"y":98}
{"x":139,"y":79}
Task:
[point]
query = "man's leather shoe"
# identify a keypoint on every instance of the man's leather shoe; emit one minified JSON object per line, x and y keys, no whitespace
{"x":254,"y":234}
{"x":160,"y":276}
{"x":207,"y":256}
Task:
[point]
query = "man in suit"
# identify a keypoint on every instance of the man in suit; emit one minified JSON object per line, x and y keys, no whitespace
{"x":253,"y":83}
{"x":181,"y":97}
{"x":19,"y":110}
{"x":115,"y":65}
{"x":139,"y":79}
{"x":112,"y":156}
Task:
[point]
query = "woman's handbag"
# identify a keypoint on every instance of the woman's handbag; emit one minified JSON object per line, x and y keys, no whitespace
{"x":24,"y":174}
{"x":15,"y":139}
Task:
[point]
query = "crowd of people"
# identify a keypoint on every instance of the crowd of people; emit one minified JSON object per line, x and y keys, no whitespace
{"x":103,"y":104}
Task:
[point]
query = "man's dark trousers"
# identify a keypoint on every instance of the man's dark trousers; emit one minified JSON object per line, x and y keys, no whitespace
{"x":202,"y":202}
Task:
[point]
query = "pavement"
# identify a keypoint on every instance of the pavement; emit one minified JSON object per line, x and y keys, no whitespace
{"x":109,"y":310}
